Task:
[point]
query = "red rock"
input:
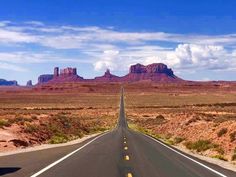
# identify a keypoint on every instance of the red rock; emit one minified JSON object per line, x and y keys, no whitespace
{"x":157,"y":72}
{"x":56,"y":72}
{"x":68,"y":72}
{"x":29,"y":83}
{"x":107,"y":77}
{"x":44,"y":78}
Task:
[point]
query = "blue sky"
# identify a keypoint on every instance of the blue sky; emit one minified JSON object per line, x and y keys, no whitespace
{"x":196,"y":39}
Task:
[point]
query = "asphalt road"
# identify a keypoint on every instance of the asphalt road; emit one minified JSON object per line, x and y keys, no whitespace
{"x":121,"y":152}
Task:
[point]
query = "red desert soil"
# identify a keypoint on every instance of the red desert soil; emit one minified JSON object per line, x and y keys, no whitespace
{"x":200,"y":117}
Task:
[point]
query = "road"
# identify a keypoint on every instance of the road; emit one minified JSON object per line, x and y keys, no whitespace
{"x":121,"y":152}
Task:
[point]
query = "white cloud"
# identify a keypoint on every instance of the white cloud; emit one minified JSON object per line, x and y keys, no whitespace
{"x":7,"y":36}
{"x":109,"y":58}
{"x":117,"y":50}
{"x":4,"y":23}
{"x":190,"y":57}
{"x":67,"y":37}
{"x":201,"y":56}
{"x":35,"y":23}
{"x":11,"y":67}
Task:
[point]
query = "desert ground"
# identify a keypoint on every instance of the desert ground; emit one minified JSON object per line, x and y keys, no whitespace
{"x":200,"y":118}
{"x":203,"y":122}
{"x":30,"y":118}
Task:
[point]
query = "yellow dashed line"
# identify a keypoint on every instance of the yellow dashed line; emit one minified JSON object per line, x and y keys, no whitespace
{"x":125,"y":148}
{"x":129,"y":175}
{"x":126,"y":157}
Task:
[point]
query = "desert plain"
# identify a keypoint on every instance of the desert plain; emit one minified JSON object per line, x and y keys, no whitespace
{"x":198,"y":117}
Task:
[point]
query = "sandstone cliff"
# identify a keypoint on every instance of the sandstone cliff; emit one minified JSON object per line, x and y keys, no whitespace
{"x":157,"y":72}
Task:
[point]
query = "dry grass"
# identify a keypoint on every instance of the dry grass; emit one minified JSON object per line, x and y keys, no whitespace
{"x":188,"y":118}
{"x":36,"y":118}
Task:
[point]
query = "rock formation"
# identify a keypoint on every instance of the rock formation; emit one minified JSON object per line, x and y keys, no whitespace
{"x":65,"y":75}
{"x":68,"y":72}
{"x":157,"y":72}
{"x":29,"y":83}
{"x":44,"y":78}
{"x":56,"y":72}
{"x":152,"y":68}
{"x":107,"y":77}
{"x":4,"y":82}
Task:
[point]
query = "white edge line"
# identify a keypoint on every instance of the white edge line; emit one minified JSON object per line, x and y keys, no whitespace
{"x":65,"y":157}
{"x":199,"y":163}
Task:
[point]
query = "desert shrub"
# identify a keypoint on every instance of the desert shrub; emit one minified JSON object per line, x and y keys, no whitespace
{"x":200,"y":145}
{"x":52,"y":129}
{"x":31,"y":128}
{"x":233,"y":158}
{"x":178,"y":140}
{"x":63,"y":120}
{"x":220,"y":150}
{"x":97,"y":129}
{"x":18,"y":120}
{"x":222,"y":132}
{"x":160,"y":117}
{"x":80,"y":134}
{"x":220,"y":157}
{"x":4,"y":123}
{"x":192,"y":120}
{"x":58,"y":138}
{"x":232,"y":136}
{"x":169,"y":141}
{"x":139,"y":128}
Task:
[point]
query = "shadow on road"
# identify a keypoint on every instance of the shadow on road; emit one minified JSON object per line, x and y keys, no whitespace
{"x":6,"y":170}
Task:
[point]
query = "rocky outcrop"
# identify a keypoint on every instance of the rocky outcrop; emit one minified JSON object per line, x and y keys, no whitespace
{"x":107,"y":77}
{"x":44,"y":78}
{"x":157,"y":72}
{"x":29,"y":83}
{"x":68,"y":72}
{"x":152,"y":68}
{"x":65,"y":75}
{"x":56,"y":72}
{"x":4,"y":82}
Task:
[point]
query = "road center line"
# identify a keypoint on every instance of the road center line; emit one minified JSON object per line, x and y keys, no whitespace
{"x":126,"y":157}
{"x":129,"y":175}
{"x":66,"y":156}
{"x":199,"y":163}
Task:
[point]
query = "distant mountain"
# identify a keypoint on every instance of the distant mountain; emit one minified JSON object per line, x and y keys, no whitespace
{"x":4,"y":82}
{"x":157,"y":72}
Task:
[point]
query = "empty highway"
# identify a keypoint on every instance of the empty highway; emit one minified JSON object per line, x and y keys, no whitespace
{"x":118,"y":153}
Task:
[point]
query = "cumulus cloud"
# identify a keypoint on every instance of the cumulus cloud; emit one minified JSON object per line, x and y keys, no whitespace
{"x":117,"y":50}
{"x":201,"y":56}
{"x":185,"y":56}
{"x":108,"y":60}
